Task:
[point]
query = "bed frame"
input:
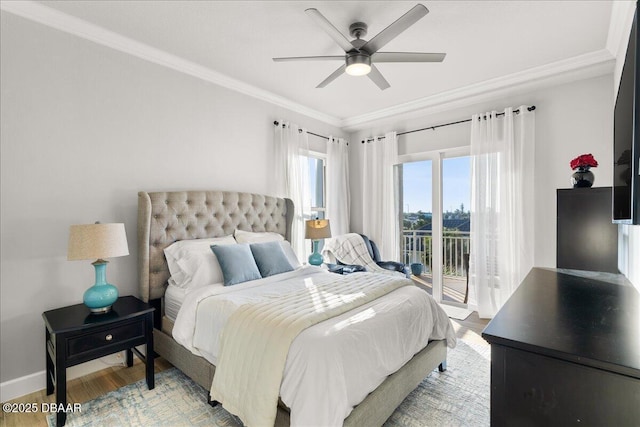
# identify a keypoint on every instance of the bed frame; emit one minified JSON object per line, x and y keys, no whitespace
{"x":166,"y":217}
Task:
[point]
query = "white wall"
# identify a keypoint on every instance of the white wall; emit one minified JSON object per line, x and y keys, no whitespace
{"x":571,"y":119}
{"x":84,"y":128}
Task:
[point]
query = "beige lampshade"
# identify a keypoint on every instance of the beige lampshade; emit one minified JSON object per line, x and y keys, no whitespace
{"x":97,"y":241}
{"x":317,"y":229}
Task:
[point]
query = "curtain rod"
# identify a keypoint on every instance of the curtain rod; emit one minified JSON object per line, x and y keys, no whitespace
{"x":300,"y":131}
{"x":533,"y":107}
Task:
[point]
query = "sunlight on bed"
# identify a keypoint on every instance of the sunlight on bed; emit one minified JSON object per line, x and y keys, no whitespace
{"x":357,"y":318}
{"x":323,"y":300}
{"x":315,"y":295}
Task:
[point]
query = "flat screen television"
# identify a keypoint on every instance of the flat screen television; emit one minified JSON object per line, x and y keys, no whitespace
{"x":626,"y":137}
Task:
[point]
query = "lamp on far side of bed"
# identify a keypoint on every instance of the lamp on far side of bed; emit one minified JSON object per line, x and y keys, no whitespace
{"x":316,"y":230}
{"x":91,"y":241}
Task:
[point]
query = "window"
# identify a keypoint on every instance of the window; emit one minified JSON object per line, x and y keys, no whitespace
{"x":314,"y":166}
{"x":316,"y":169}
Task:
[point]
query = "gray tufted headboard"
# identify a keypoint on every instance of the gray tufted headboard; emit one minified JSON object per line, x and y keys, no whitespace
{"x":165,"y":217}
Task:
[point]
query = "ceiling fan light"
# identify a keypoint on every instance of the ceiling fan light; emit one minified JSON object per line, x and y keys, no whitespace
{"x":358,"y":69}
{"x":358,"y":65}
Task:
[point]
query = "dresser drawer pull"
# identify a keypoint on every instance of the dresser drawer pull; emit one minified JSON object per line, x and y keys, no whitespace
{"x":109,"y":337}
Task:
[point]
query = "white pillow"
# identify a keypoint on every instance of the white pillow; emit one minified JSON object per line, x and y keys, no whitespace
{"x":261,"y":237}
{"x":192,"y":263}
{"x":291,"y":255}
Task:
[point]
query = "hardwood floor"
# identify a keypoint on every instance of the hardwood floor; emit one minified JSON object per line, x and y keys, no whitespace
{"x":471,"y":328}
{"x":93,"y":385}
{"x":453,"y":289}
{"x":79,"y":390}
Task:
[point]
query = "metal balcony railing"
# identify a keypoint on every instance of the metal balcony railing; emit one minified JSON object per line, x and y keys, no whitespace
{"x":416,"y":246}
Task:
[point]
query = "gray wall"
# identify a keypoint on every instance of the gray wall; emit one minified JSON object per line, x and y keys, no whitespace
{"x":84,"y":128}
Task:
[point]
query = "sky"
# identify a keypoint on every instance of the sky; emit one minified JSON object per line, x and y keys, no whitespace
{"x":456,"y":184}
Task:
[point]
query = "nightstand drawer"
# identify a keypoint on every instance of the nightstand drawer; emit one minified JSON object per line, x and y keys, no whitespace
{"x":105,"y":337}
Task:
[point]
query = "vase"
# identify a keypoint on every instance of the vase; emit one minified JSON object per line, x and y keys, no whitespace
{"x":416,"y":268}
{"x":582,"y":177}
{"x":101,"y":296}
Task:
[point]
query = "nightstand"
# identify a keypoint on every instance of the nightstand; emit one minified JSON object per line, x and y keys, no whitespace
{"x":74,"y":335}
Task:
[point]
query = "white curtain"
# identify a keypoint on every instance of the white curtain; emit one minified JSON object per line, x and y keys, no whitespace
{"x":338,"y":198}
{"x":292,"y":177}
{"x":502,"y":190}
{"x":380,"y":220}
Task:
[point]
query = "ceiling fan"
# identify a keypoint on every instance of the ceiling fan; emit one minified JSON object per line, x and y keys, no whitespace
{"x":360,"y":54}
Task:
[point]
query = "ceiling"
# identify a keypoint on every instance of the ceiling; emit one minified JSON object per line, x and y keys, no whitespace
{"x":483,"y":40}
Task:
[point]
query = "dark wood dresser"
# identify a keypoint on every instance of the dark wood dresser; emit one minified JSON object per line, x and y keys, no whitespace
{"x":565,"y":350}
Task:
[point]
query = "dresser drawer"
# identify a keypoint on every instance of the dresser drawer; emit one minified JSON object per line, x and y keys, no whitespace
{"x":105,"y":337}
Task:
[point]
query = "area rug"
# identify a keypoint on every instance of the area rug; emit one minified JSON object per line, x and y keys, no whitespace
{"x":457,"y":397}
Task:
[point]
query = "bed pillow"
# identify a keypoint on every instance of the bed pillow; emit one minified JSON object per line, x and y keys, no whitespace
{"x":291,"y":255}
{"x":260,"y":237}
{"x":192,"y":264}
{"x":237,"y":263}
{"x":270,"y":258}
{"x":257,"y":237}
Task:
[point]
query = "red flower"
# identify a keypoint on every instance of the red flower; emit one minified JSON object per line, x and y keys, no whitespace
{"x":584,"y":160}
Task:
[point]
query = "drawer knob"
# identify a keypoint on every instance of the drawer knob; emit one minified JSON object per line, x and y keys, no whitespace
{"x":109,"y":337}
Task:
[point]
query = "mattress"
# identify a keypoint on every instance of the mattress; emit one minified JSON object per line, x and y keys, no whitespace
{"x":327,"y":372}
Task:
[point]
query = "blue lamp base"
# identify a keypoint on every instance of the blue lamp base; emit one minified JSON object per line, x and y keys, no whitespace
{"x":101,"y":296}
{"x":315,"y":258}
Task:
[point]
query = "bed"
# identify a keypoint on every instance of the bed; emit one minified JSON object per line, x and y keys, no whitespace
{"x":167,"y":217}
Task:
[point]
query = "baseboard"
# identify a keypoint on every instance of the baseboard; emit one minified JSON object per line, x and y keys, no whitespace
{"x":37,"y":381}
{"x":17,"y":387}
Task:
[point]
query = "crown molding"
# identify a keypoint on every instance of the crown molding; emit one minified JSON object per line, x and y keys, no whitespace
{"x":619,"y":25}
{"x":580,"y":67}
{"x":69,"y":24}
{"x":584,"y":66}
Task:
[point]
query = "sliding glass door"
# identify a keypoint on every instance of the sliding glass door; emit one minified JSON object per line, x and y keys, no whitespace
{"x":456,"y":223}
{"x":435,"y":193}
{"x":417,"y":215}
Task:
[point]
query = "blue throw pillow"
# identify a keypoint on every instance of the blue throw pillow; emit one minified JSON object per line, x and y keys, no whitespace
{"x":237,"y":263}
{"x":270,"y":258}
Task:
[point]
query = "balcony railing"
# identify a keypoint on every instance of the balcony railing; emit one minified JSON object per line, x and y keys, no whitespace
{"x":417,"y":247}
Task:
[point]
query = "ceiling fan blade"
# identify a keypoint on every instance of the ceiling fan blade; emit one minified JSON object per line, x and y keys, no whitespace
{"x":377,"y":78}
{"x":310,"y":58}
{"x":337,"y":73}
{"x":393,"y":30}
{"x":328,"y":27}
{"x":407,"y":57}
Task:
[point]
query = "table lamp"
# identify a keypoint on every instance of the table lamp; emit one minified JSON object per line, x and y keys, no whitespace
{"x":317,"y":229}
{"x":91,"y":241}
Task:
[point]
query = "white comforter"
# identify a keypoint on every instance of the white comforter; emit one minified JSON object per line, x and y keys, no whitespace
{"x":331,"y":366}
